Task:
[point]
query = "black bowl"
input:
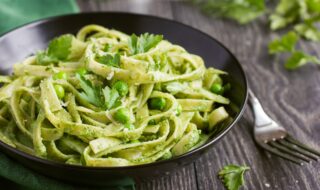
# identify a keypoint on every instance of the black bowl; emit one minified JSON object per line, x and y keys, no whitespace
{"x":28,"y":39}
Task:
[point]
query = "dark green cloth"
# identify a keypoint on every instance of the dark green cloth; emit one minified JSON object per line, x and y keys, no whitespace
{"x":28,"y":179}
{"x":14,"y":13}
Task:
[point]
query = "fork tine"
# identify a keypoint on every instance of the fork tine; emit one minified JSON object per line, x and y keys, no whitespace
{"x":294,"y":141}
{"x":280,"y":154}
{"x":284,"y":149}
{"x":298,"y":149}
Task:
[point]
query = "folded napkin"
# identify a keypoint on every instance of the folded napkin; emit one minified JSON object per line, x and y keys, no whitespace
{"x":12,"y":14}
{"x":25,"y":178}
{"x":17,"y":12}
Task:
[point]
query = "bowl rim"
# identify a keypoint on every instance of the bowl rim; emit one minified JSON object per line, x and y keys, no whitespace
{"x":185,"y":155}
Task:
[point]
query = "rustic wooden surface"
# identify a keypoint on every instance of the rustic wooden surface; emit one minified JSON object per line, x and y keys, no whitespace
{"x":291,"y":98}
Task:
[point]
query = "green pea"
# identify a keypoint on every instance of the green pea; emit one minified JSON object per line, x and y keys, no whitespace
{"x":82,"y":71}
{"x":122,"y":115}
{"x":216,"y":88}
{"x":60,"y":75}
{"x":59,"y":91}
{"x":157,"y":103}
{"x":121,"y":87}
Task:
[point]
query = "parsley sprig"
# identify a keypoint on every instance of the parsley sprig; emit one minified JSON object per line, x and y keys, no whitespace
{"x":232,"y":176}
{"x":143,"y":43}
{"x":91,"y":93}
{"x":243,"y":11}
{"x":109,"y":60}
{"x":105,"y":98}
{"x":62,"y":48}
{"x":287,"y":44}
{"x":300,"y":17}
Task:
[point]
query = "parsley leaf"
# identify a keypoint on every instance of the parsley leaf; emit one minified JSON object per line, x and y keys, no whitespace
{"x":143,"y":43}
{"x":109,"y":60}
{"x":43,"y":59}
{"x":60,"y":47}
{"x":286,"y":12}
{"x":286,"y":43}
{"x":232,"y":176}
{"x":90,"y":92}
{"x":299,"y":59}
{"x":243,"y":11}
{"x":308,"y":31}
{"x":110,"y":96}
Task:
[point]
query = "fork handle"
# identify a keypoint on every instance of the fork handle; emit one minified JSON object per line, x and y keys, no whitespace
{"x":260,"y":116}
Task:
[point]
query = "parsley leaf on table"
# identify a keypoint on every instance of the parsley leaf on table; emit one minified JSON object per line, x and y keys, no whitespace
{"x":299,"y":16}
{"x":109,"y":60}
{"x":242,"y":11}
{"x":308,"y":31}
{"x":286,"y":43}
{"x":286,"y":12}
{"x":232,"y":176}
{"x":299,"y":59}
{"x":143,"y":43}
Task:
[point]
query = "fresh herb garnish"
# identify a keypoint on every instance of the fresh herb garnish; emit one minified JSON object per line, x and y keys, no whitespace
{"x":143,"y":43}
{"x":105,"y":98}
{"x":62,"y":48}
{"x":232,"y":176}
{"x":110,"y":96}
{"x":90,"y":92}
{"x":109,"y":60}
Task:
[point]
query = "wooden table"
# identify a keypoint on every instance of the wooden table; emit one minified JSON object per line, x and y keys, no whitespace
{"x":291,"y":98}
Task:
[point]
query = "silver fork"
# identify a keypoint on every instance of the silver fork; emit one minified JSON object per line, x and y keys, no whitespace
{"x":274,"y":138}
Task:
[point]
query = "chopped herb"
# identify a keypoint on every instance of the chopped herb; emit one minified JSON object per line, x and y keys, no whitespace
{"x":62,"y":48}
{"x":109,"y":60}
{"x":90,"y":92}
{"x":143,"y":43}
{"x":232,"y":176}
{"x":107,"y":48}
{"x":110,"y":97}
{"x":43,"y":59}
